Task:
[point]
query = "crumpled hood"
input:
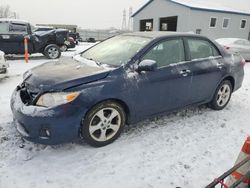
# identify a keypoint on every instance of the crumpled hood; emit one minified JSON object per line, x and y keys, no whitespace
{"x":63,"y":74}
{"x":44,"y":33}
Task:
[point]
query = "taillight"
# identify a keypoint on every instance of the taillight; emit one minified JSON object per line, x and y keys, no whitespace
{"x":243,"y":62}
{"x":227,"y":47}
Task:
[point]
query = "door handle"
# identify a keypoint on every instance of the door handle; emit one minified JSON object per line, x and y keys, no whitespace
{"x":220,"y":65}
{"x":185,"y":72}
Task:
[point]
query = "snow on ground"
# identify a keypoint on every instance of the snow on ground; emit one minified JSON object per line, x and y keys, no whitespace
{"x":185,"y":149}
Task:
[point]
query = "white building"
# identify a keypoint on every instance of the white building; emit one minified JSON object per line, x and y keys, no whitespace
{"x":213,"y":18}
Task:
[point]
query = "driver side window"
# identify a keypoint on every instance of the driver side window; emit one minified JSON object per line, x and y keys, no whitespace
{"x":167,"y":52}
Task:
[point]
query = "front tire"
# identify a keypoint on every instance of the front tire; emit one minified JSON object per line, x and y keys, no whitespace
{"x":52,"y":51}
{"x":103,"y":124}
{"x":222,"y":95}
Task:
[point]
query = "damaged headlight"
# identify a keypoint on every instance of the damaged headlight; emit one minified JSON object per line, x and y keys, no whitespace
{"x":55,"y":99}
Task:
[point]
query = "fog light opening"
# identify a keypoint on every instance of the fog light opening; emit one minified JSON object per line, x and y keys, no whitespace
{"x":44,"y":133}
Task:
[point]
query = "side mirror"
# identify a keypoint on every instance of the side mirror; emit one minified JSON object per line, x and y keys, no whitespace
{"x":147,"y":65}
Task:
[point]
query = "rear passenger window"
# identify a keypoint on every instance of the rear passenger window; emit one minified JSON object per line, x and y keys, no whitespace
{"x":201,"y":49}
{"x":18,"y":28}
{"x":167,"y":52}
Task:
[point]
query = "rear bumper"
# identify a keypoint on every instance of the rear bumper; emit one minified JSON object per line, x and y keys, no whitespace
{"x":46,"y":126}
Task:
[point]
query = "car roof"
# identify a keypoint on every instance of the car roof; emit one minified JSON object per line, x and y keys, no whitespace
{"x":13,"y":20}
{"x":159,"y":34}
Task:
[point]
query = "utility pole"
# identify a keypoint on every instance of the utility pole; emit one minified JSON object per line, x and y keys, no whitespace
{"x":15,"y":15}
{"x":124,"y":20}
{"x":130,"y":21}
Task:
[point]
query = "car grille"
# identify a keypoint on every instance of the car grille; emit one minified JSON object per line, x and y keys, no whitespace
{"x":28,"y":93}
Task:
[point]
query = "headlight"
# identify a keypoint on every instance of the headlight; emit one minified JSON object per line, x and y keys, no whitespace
{"x":55,"y":99}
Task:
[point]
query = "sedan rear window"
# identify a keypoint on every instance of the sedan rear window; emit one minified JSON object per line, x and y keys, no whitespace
{"x":117,"y":50}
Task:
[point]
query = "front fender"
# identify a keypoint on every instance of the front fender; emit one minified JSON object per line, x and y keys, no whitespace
{"x":107,"y":89}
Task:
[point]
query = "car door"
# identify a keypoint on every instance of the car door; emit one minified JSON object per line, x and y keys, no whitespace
{"x":17,"y":32}
{"x":166,"y":88}
{"x":207,"y":68}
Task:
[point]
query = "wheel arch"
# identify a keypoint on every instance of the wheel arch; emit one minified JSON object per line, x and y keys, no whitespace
{"x":227,"y":77}
{"x":231,"y":79}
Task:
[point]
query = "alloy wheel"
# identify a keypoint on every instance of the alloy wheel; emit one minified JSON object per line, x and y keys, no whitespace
{"x":105,"y":124}
{"x":53,"y":52}
{"x":223,"y":95}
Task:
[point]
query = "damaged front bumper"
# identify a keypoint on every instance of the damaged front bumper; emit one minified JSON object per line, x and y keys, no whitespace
{"x":47,"y":126}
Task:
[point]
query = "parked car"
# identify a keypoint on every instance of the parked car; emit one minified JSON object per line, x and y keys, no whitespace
{"x":75,"y":36}
{"x":236,"y":45}
{"x":70,"y":43}
{"x":3,"y":64}
{"x":12,"y":33}
{"x":122,"y":80}
{"x":91,"y":39}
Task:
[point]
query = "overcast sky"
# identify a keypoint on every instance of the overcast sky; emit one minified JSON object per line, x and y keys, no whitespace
{"x":91,"y":14}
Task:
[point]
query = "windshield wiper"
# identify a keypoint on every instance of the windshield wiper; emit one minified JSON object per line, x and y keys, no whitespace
{"x":97,"y":62}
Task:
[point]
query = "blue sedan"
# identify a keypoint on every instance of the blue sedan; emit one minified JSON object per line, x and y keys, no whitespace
{"x":121,"y":81}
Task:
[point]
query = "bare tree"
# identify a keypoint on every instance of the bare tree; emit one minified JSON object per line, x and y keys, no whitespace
{"x":5,"y":12}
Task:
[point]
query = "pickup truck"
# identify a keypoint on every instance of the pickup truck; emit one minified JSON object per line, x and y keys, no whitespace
{"x":13,"y":32}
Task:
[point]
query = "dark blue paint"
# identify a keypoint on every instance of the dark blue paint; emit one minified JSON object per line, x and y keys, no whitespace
{"x":143,"y":94}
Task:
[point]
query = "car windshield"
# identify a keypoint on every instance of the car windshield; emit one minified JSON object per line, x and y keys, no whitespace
{"x":117,"y":50}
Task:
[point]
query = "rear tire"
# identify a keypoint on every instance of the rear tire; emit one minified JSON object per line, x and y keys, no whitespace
{"x":222,"y":95}
{"x":52,"y":51}
{"x":103,"y":124}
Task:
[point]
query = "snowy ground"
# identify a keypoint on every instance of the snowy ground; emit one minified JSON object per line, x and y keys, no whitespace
{"x":186,"y":149}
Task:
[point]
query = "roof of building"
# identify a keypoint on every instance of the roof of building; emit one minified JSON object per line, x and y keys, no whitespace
{"x":225,"y":6}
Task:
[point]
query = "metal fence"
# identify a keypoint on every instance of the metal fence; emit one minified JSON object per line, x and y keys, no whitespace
{"x":98,"y":35}
{"x":220,"y":180}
